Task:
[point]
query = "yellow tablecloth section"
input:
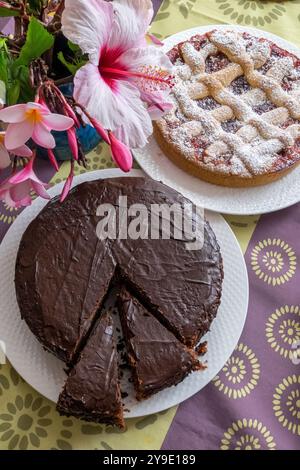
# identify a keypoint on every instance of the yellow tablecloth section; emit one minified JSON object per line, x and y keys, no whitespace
{"x":29,"y":421}
{"x":281,"y":17}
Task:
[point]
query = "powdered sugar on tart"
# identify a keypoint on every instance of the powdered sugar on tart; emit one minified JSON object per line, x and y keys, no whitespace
{"x":236,"y":108}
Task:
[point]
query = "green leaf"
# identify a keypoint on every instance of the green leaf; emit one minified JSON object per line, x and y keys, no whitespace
{"x":13,"y":92}
{"x":3,"y":44}
{"x":5,"y":67}
{"x":4,"y":64}
{"x":38,"y":41}
{"x":26,"y":93}
{"x":74,"y":48}
{"x":8,"y":12}
{"x":71,"y":66}
{"x":35,"y":6}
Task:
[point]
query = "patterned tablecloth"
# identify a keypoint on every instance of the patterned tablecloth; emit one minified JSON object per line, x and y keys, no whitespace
{"x":254,"y":402}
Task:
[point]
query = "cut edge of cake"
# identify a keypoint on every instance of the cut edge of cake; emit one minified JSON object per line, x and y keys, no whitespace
{"x":136,"y":322}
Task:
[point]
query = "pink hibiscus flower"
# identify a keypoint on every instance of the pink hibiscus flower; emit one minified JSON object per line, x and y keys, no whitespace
{"x":124,"y":76}
{"x":32,"y":120}
{"x":22,"y":151}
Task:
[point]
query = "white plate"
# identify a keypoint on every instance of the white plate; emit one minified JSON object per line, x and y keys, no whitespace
{"x":45,"y":373}
{"x":242,"y":201}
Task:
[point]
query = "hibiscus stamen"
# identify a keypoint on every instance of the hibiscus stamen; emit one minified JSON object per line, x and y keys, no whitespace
{"x":154,"y":39}
{"x":150,"y":73}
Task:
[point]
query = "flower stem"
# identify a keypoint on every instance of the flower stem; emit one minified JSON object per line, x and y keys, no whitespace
{"x":8,"y":6}
{"x":64,"y":81}
{"x":55,"y":25}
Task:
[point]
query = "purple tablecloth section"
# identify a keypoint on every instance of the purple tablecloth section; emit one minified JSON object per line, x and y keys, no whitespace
{"x":254,"y":402}
{"x":6,"y":25}
{"x":156,"y":5}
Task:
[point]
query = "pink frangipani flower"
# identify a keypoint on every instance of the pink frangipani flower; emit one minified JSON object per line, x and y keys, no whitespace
{"x":52,"y":159}
{"x":120,"y":153}
{"x":22,"y":151}
{"x":68,"y":183}
{"x":32,"y":120}
{"x":13,"y":195}
{"x":72,"y":139}
{"x":121,"y":67}
{"x":18,"y":186}
{"x":68,"y":111}
{"x":102,"y":132}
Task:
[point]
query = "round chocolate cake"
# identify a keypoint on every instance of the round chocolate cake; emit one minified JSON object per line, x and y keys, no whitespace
{"x":64,"y":271}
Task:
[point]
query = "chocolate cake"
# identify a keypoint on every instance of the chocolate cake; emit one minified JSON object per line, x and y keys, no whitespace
{"x":64,"y":271}
{"x":92,"y":390}
{"x":157,"y":359}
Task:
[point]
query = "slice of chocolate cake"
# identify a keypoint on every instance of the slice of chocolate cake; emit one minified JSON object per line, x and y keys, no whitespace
{"x":92,"y":390}
{"x":157,"y":359}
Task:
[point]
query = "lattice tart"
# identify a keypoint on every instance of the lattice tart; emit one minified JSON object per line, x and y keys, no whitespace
{"x":236,"y":114}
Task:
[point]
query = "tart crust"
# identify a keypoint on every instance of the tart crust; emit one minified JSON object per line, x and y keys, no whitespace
{"x":236,"y":115}
{"x":214,"y":177}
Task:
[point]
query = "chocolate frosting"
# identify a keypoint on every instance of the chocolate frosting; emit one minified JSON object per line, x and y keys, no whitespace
{"x":63,"y":271}
{"x":92,"y":391}
{"x":158,"y":360}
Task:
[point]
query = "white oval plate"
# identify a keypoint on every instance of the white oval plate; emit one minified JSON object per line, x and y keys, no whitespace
{"x":45,"y":373}
{"x":239,"y":201}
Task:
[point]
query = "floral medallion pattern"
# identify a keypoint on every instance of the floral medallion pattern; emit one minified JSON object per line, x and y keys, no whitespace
{"x":29,"y":421}
{"x":273,"y":261}
{"x":247,"y":434}
{"x":240,"y":375}
{"x":8,"y":378}
{"x":283,"y":330}
{"x":25,"y":421}
{"x":185,"y":6}
{"x":286,"y":403}
{"x":252,"y":12}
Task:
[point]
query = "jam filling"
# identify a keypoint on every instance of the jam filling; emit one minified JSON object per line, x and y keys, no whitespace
{"x":231,"y":126}
{"x":199,"y":144}
{"x":240,"y":85}
{"x":264,"y":107}
{"x":208,"y":103}
{"x":288,"y":157}
{"x":214,"y":63}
